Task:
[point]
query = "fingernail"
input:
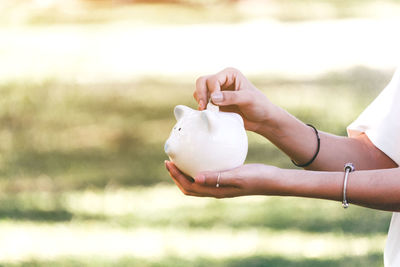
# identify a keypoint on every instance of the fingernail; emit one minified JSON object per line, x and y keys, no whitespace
{"x":201,"y":103}
{"x":217,"y":97}
{"x":200,"y":179}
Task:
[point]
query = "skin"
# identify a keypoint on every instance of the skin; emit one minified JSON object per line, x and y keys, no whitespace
{"x":374,"y":184}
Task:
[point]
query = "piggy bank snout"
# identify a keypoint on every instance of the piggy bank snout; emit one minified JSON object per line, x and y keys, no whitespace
{"x":168,"y":148}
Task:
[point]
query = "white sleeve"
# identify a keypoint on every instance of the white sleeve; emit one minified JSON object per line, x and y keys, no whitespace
{"x":380,"y":121}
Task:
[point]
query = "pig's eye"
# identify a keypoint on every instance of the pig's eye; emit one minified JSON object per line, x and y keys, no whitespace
{"x":179,"y":129}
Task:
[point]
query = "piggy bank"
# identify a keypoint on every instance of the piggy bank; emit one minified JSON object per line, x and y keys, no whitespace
{"x":208,"y":140}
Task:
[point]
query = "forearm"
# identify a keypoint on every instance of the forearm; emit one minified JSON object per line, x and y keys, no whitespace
{"x":378,"y":189}
{"x":299,"y":142}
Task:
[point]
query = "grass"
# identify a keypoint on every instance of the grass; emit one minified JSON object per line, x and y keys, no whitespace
{"x":152,"y":207}
{"x":371,"y":260}
{"x":59,"y":136}
{"x":82,"y":181}
{"x":80,"y":164}
{"x":134,"y":226}
{"x":81,"y":167}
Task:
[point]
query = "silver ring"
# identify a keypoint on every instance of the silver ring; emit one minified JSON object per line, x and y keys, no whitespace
{"x":219,"y":176}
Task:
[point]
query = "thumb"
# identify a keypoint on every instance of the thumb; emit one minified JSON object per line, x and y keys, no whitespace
{"x":225,"y":98}
{"x":223,"y":178}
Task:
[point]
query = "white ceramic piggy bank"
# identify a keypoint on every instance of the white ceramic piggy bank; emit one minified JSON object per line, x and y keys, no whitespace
{"x":207,"y":140}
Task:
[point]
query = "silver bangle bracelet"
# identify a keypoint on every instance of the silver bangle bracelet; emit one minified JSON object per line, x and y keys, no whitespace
{"x":348,"y":167}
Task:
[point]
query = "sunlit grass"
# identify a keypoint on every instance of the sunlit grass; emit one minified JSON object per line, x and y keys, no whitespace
{"x":24,"y":241}
{"x":152,"y":207}
{"x":154,"y":224}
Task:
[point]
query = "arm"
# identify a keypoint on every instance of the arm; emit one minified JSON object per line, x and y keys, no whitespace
{"x":378,"y":189}
{"x":233,"y":92}
{"x":299,"y":142}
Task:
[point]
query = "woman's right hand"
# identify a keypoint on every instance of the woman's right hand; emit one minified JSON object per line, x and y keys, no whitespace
{"x":233,"y":92}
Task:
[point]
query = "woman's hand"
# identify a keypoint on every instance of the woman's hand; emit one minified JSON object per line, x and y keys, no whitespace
{"x":230,"y":90}
{"x":376,"y":189}
{"x":250,"y":179}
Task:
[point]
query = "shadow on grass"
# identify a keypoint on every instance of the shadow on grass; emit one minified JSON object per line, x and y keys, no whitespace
{"x":36,"y":215}
{"x":277,"y":214}
{"x":302,"y":215}
{"x":79,"y":169}
{"x":128,"y":163}
{"x":35,"y":209}
{"x":370,"y":260}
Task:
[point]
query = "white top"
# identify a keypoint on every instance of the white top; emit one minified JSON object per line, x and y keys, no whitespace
{"x":381,"y":123}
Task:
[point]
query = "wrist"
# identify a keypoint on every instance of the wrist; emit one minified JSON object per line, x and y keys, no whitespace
{"x":271,"y":182}
{"x":312,"y":184}
{"x":273,"y":124}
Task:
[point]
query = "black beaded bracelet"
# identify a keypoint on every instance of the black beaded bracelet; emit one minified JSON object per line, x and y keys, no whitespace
{"x":316,"y":153}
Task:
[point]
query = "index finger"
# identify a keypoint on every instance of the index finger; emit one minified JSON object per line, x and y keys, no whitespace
{"x":206,"y":85}
{"x":201,"y":92}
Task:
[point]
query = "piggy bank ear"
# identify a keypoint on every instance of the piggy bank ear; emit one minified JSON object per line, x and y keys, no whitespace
{"x":209,"y":118}
{"x":180,"y":111}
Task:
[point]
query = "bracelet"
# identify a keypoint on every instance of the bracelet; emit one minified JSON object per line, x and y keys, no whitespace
{"x":348,"y":167}
{"x":316,"y":153}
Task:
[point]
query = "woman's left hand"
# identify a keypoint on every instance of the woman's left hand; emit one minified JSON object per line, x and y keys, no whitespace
{"x":249,"y":179}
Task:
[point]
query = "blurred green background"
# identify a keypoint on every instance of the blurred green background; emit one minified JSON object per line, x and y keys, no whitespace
{"x":87,"y":90}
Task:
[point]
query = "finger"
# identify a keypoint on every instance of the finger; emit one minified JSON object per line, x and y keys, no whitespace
{"x":229,"y":79}
{"x":182,"y":178}
{"x":201,"y":190}
{"x":226,"y":98}
{"x":206,"y":85}
{"x":217,"y":192}
{"x":172,"y":172}
{"x":200,"y":93}
{"x":173,"y":178}
{"x":199,"y":101}
{"x":183,"y":190}
{"x":223,"y":78}
{"x":178,"y":184}
{"x":224,"y":179}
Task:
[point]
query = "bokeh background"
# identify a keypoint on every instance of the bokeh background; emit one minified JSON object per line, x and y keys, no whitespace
{"x":87,"y":90}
